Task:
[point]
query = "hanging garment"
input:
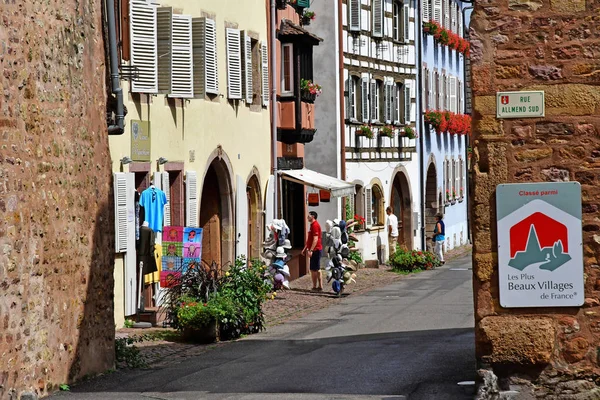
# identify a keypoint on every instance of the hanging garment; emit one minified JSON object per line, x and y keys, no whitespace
{"x":138,"y":223}
{"x":145,"y":250}
{"x":155,"y":276}
{"x":153,"y":200}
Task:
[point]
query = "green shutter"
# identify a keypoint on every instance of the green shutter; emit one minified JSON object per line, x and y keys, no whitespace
{"x":303,"y":3}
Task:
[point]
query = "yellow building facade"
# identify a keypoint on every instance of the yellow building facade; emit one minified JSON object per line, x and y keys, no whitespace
{"x":195,"y":86}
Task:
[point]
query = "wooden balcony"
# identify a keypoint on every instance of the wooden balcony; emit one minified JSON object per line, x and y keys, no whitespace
{"x":295,"y":125}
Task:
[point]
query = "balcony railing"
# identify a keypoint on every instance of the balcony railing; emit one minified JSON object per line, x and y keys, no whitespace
{"x":294,"y":127}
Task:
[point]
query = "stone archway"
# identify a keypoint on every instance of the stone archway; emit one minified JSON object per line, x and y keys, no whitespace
{"x":254,"y":217}
{"x":401,"y":203}
{"x":216,"y":212}
{"x":431,"y":202}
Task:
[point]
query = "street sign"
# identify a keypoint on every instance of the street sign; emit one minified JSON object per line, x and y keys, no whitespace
{"x":520,"y":104}
{"x":540,"y":247}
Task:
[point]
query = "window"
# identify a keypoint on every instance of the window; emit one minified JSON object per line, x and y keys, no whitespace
{"x":287,"y":66}
{"x":407,"y":103}
{"x":175,"y":197}
{"x":437,"y":11}
{"x":377,"y":202}
{"x":375,"y":99}
{"x":426,"y":10}
{"x":448,"y":173}
{"x":447,"y":14}
{"x":388,"y":107}
{"x":306,"y":62}
{"x":398,"y":96}
{"x":204,"y":46}
{"x":256,"y":73}
{"x":378,"y":19}
{"x":461,"y":171}
{"x":351,"y":98}
{"x":396,"y":18}
{"x":364,"y":98}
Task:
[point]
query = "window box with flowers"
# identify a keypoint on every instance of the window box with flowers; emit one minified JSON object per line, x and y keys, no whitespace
{"x":446,"y":37}
{"x":447,"y":121}
{"x":309,"y":90}
{"x":363,"y":131}
{"x":454,"y":196}
{"x":308,"y":16}
{"x":385,"y":136}
{"x":406,"y":135}
{"x":462,"y":194}
{"x":448,"y":196}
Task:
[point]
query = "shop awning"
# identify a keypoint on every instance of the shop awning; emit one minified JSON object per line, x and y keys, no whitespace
{"x":307,"y":177}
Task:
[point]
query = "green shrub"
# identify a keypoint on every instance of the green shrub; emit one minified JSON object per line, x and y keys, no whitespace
{"x":403,"y":260}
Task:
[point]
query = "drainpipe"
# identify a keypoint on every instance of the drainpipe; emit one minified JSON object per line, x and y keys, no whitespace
{"x":118,"y":128}
{"x":342,"y":108}
{"x":418,"y":39}
{"x":467,"y":139}
{"x":273,"y":69}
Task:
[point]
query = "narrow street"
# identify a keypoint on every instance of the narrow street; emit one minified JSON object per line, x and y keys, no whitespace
{"x":412,"y":339}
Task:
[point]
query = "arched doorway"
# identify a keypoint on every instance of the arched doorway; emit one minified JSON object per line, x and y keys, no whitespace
{"x":254,"y":217}
{"x":431,"y":202}
{"x":401,"y":203}
{"x":216,"y":215}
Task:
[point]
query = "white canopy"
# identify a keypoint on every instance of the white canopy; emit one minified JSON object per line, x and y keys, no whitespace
{"x":307,"y":177}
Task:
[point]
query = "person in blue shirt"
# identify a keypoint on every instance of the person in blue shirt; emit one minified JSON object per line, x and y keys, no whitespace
{"x":439,"y":235}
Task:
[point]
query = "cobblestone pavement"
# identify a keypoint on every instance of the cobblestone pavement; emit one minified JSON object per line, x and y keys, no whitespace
{"x":290,"y":304}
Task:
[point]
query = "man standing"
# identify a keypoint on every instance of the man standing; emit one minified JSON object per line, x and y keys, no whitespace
{"x":313,"y":248}
{"x":392,"y":228}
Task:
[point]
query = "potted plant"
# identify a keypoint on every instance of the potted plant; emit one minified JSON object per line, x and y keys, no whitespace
{"x":308,"y":16}
{"x":462,"y":192}
{"x":409,"y":132}
{"x":448,"y":195}
{"x":365,"y":130}
{"x":387,"y":131}
{"x":454,"y":196}
{"x":309,"y":90}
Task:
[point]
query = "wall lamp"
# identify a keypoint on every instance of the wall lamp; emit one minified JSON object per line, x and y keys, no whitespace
{"x":126,"y":160}
{"x":162,"y":161}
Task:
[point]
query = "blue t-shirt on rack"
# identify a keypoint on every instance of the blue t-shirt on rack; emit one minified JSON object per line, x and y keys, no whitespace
{"x":153,"y":200}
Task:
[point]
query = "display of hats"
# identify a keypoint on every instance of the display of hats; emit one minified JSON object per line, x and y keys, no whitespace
{"x":280,"y":253}
{"x":336,"y":286}
{"x":287,"y":244}
{"x":279,"y":278}
{"x":285,"y":284}
{"x":329,"y":274}
{"x":285,"y":271}
{"x":328,"y":225}
{"x":336,"y":221}
{"x":353,"y":238}
{"x":279,"y":263}
{"x":347,"y":276}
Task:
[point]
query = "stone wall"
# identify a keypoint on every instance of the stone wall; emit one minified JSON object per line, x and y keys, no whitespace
{"x":550,"y":45}
{"x":56,"y":228}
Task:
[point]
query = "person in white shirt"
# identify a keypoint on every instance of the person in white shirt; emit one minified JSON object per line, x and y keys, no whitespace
{"x":392,"y":228}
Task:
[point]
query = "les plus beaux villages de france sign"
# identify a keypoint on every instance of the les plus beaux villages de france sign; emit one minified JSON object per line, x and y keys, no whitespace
{"x":540,"y":247}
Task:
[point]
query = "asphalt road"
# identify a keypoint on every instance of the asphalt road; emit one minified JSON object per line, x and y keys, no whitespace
{"x":410,"y":340}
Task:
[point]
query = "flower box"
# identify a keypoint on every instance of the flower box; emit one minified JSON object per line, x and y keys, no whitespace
{"x":308,"y":97}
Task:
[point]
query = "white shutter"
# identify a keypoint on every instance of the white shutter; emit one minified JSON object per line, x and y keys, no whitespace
{"x":164,"y":32}
{"x":453,"y":107}
{"x":425,"y":94}
{"x":198,"y":55}
{"x":453,"y":16}
{"x":241,"y":218}
{"x":374,"y":100}
{"x":166,"y":187}
{"x":265,"y":73}
{"x":406,"y":22}
{"x":350,"y":98}
{"x":447,"y":89}
{"x":425,"y":10}
{"x":368,"y":206}
{"x":120,"y":189}
{"x":407,"y":104}
{"x":431,"y":99}
{"x":142,"y":23}
{"x":248,"y":88}
{"x":447,"y":14}
{"x":211,"y":75}
{"x":440,"y":91}
{"x":191,"y":199}
{"x":365,"y":99}
{"x":457,"y":177}
{"x":234,"y":64}
{"x":350,"y":200}
{"x":437,"y":11}
{"x":459,"y":97}
{"x":377,"y":18}
{"x":182,"y":71}
{"x":354,"y":14}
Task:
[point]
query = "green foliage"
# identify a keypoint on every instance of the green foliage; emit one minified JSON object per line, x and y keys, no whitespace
{"x":64,"y":387}
{"x":127,"y":354}
{"x":128,"y":323}
{"x":354,"y":255}
{"x":235,"y":304}
{"x":411,"y":261}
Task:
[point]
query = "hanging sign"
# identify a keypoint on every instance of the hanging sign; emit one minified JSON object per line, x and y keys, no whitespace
{"x":140,"y":140}
{"x":520,"y":104}
{"x":540,"y":247}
